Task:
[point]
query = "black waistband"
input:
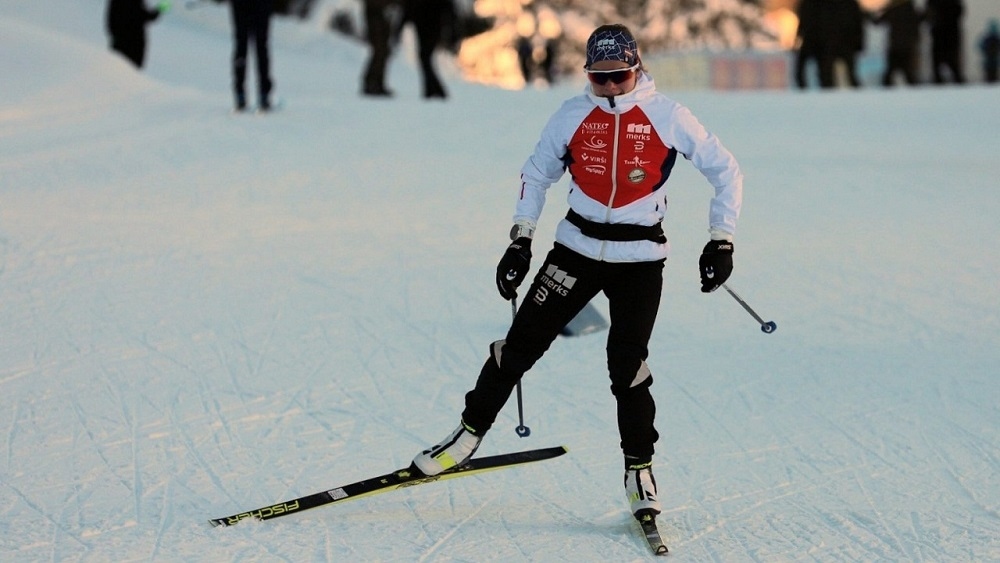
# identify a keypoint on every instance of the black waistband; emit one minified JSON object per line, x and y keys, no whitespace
{"x":618,"y":232}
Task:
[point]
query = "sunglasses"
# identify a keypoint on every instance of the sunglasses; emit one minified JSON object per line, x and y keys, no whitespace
{"x":601,"y":77}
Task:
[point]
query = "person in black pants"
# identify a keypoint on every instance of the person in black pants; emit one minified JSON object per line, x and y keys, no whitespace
{"x":251,"y":20}
{"x":945,"y":19}
{"x":846,"y":38}
{"x":903,"y":49}
{"x":989,"y":45}
{"x":431,"y":18}
{"x":126,"y":25}
{"x":809,"y":42}
{"x":619,"y":142}
{"x":378,"y":32}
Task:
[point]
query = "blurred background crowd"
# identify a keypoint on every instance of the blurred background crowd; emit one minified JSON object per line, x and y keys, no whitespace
{"x":721,"y":44}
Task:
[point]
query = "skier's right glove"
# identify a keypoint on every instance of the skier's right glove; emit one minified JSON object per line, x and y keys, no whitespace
{"x":513,"y":267}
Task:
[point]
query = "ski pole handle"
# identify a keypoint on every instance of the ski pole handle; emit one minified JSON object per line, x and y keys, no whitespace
{"x":767,"y":327}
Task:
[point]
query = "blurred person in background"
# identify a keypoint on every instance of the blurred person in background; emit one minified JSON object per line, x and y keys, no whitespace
{"x":378,"y":32}
{"x":434,"y":22}
{"x":845,"y":39}
{"x":808,"y":42}
{"x":251,"y":21}
{"x":126,"y":26}
{"x":902,"y":49}
{"x":989,"y":46}
{"x":538,"y":31}
{"x":945,"y":20}
{"x":829,"y":31}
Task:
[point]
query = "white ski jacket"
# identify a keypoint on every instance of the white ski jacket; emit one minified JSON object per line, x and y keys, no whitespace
{"x":619,"y":157}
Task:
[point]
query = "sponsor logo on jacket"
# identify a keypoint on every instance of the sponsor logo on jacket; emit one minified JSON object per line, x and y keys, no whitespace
{"x":618,"y":173}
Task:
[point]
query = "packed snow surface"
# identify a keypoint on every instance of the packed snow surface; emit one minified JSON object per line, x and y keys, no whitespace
{"x":204,"y":313}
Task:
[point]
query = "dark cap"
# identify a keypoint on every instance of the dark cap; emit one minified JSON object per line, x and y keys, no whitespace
{"x":612,"y":42}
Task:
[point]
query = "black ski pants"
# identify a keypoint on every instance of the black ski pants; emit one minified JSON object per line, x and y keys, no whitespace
{"x":251,"y":20}
{"x":379,"y":34}
{"x":429,"y":18}
{"x":946,"y":55}
{"x":566,"y":282}
{"x":900,"y":60}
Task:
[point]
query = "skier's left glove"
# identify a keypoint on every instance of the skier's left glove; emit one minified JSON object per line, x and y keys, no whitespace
{"x":716,"y":264}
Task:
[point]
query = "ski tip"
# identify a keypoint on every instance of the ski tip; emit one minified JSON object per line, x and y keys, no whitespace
{"x":557,"y":451}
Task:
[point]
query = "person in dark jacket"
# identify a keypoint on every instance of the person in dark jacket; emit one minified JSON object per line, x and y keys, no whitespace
{"x":945,"y":19}
{"x":845,"y":37}
{"x":902,"y":50}
{"x":432,"y":19}
{"x":829,"y":31}
{"x":989,"y":46}
{"x":126,"y":26}
{"x":378,"y":32}
{"x":809,"y":44}
{"x":251,"y":21}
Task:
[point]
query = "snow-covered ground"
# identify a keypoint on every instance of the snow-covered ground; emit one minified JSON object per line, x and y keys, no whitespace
{"x":204,"y":313}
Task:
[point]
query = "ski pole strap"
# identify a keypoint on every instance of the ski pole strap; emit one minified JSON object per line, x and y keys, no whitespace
{"x":618,"y":232}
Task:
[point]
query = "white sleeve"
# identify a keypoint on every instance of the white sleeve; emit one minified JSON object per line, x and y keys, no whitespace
{"x":686,"y":134}
{"x":543,"y":168}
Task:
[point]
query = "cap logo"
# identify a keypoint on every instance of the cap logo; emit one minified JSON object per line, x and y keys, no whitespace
{"x":614,"y":43}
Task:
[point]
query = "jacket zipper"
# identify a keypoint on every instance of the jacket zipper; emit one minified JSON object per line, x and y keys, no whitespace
{"x":614,"y":180}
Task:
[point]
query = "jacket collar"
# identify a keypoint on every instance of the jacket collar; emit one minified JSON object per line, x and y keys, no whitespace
{"x":644,"y":88}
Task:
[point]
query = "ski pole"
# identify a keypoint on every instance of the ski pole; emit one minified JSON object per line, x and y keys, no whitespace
{"x":522,"y":430}
{"x":766,"y":327}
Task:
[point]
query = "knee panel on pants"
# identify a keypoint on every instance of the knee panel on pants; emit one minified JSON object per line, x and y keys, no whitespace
{"x":512,"y":364}
{"x":624,"y":381}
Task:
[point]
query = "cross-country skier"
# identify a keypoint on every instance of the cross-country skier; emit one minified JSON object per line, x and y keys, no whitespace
{"x":619,"y":141}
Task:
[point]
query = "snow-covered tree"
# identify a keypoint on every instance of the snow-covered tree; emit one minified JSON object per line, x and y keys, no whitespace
{"x":659,"y":25}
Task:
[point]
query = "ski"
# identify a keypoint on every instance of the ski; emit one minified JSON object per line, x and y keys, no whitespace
{"x":398,"y":479}
{"x":647,"y":521}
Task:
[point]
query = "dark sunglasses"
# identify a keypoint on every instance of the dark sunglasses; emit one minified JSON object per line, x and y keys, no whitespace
{"x":601,"y":77}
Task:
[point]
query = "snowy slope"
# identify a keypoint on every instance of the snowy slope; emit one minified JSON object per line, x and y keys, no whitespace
{"x":203,"y":313}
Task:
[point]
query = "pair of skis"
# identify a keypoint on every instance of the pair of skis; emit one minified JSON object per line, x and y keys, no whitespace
{"x":411,"y":476}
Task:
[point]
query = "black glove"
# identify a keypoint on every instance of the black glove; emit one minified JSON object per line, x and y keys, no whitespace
{"x":513,"y":267}
{"x":715,"y":265}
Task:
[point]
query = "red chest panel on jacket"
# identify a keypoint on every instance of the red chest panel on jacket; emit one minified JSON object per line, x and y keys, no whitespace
{"x":617,"y":164}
